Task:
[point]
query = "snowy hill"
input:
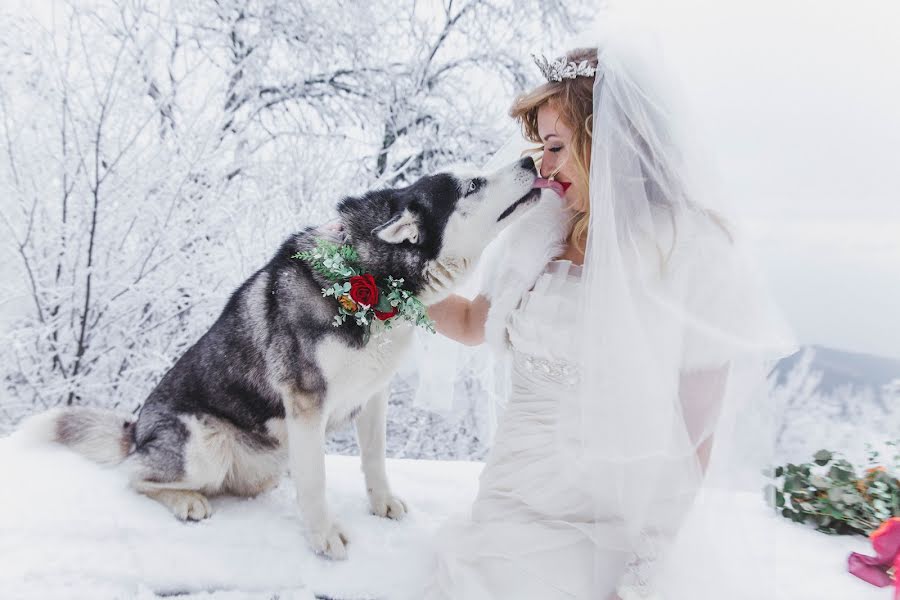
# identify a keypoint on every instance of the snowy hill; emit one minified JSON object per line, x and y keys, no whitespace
{"x":69,"y":529}
{"x":841,"y":368}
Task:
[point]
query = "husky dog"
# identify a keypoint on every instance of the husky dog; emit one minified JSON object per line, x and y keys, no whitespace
{"x":261,"y":388}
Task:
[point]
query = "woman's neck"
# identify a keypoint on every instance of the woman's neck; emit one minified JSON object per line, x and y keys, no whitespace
{"x":572,"y":253}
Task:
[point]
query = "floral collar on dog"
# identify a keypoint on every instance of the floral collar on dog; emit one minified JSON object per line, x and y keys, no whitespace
{"x":359,"y":295}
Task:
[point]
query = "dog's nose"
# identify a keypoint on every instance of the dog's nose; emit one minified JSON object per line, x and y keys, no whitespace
{"x":528,"y":163}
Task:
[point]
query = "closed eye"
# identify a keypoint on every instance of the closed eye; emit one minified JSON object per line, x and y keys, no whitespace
{"x":557,"y":149}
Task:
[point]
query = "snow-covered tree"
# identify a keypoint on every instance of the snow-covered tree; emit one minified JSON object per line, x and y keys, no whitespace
{"x":154,"y":154}
{"x":846,"y":419}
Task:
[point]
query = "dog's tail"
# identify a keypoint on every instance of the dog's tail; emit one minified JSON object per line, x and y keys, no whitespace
{"x":100,"y":435}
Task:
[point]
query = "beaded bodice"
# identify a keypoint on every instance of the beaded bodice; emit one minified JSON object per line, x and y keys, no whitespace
{"x":541,"y":329}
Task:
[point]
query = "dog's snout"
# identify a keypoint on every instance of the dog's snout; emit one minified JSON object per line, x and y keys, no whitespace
{"x":528,"y":163}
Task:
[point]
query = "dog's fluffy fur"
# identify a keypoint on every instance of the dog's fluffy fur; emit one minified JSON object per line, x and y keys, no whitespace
{"x":260,"y":389}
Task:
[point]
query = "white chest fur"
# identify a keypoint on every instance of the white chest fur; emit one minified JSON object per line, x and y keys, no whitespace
{"x":354,"y":375}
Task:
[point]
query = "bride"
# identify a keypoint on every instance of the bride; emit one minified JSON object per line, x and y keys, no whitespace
{"x":636,"y":338}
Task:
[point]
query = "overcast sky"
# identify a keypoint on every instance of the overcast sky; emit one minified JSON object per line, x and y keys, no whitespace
{"x":801,"y":100}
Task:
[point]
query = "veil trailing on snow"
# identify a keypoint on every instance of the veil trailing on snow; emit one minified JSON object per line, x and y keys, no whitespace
{"x":669,"y":428}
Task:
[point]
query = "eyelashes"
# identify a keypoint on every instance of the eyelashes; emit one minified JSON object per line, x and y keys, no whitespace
{"x":554,"y":150}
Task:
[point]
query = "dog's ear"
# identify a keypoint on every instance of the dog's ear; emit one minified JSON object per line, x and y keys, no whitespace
{"x":401,"y":227}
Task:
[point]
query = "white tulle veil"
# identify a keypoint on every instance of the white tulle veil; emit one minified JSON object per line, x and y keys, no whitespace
{"x":672,"y":418}
{"x":670,"y":427}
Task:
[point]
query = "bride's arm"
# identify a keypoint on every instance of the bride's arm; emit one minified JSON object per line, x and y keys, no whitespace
{"x":461,"y":319}
{"x":701,"y":392}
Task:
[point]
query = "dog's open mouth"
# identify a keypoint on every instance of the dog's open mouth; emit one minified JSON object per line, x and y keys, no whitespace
{"x":528,"y":199}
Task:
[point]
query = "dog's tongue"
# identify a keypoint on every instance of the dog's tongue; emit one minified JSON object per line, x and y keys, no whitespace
{"x":559,"y":187}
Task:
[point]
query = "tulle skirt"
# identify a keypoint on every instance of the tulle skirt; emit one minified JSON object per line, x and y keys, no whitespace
{"x":528,"y":533}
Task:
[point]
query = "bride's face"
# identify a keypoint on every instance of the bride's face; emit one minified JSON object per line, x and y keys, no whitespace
{"x":556,"y":137}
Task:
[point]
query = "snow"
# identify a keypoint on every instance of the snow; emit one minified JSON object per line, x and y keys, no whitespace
{"x":71,"y":529}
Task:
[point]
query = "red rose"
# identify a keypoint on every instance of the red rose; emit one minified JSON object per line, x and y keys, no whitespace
{"x":363,"y":289}
{"x":384,"y":316}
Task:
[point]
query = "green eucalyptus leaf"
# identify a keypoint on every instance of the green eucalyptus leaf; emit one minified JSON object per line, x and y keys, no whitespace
{"x":850,"y":498}
{"x":835,"y":494}
{"x":819,"y":482}
{"x":839,"y":473}
{"x":384,"y":303}
{"x":789,"y":484}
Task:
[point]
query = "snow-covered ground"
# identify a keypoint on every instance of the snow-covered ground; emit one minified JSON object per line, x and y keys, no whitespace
{"x":70,"y":529}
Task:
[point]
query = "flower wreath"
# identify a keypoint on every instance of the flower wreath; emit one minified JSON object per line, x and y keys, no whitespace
{"x":359,"y":294}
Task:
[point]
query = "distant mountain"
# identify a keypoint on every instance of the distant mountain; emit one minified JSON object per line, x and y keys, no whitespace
{"x":840,"y":368}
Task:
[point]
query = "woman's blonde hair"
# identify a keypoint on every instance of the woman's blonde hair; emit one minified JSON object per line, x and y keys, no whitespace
{"x":574,"y":100}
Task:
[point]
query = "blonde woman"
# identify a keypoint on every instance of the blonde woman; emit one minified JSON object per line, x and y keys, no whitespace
{"x":636,"y":334}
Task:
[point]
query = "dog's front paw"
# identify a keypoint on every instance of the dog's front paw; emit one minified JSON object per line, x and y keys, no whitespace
{"x":329,"y":541}
{"x":385,"y":504}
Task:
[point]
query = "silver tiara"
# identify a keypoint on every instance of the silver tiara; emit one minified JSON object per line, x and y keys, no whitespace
{"x":560,"y":68}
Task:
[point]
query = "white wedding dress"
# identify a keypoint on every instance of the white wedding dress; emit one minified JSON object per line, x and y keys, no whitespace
{"x":623,"y":476}
{"x":527,"y":535}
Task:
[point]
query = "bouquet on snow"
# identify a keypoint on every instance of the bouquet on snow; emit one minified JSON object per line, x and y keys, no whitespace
{"x":830,"y":494}
{"x":359,"y":295}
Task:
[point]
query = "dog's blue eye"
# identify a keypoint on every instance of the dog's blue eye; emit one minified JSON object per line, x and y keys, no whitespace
{"x":474,"y":185}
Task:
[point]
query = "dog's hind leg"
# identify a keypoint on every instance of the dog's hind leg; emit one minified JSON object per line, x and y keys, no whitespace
{"x":153,"y":475}
{"x":179,"y":462}
{"x":187,"y":505}
{"x":370,"y":429}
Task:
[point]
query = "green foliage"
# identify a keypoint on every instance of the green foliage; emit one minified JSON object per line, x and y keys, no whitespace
{"x":338,"y":264}
{"x":335,"y":263}
{"x":830,"y":494}
{"x":408,"y":306}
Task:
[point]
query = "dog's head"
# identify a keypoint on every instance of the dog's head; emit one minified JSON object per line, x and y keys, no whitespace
{"x":430,"y":232}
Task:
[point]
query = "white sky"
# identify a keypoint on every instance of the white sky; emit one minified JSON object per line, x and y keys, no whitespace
{"x":801,"y":100}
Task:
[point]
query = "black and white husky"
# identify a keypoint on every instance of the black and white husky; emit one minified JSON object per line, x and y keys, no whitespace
{"x":261,"y":388}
